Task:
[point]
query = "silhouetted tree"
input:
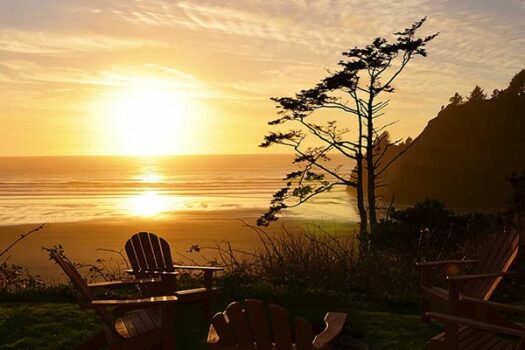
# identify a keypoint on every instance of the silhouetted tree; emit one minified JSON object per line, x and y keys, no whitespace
{"x":456,"y":100}
{"x":364,"y":74}
{"x":517,"y":84}
{"x":477,"y":94}
{"x":495,"y":93}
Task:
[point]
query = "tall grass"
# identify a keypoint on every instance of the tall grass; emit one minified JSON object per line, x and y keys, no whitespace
{"x":310,"y":259}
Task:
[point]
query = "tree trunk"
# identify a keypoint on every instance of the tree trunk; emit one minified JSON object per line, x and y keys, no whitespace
{"x":370,"y":161}
{"x":363,"y":231}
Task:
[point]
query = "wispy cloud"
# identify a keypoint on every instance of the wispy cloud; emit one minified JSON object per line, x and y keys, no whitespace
{"x":52,"y":43}
{"x":474,"y":33}
{"x":23,"y":73}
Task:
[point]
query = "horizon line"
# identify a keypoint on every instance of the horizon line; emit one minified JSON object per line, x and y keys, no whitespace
{"x":144,"y":155}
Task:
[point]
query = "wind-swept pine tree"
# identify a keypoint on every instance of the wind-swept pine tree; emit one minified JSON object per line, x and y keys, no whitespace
{"x":364,"y":75}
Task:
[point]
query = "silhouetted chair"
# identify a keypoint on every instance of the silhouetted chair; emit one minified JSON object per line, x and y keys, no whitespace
{"x":246,"y":329}
{"x":134,"y":324}
{"x":150,"y":257}
{"x":480,"y":283}
{"x":463,"y":333}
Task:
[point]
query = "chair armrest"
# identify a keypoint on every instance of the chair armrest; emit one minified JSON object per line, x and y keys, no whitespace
{"x":445,"y":262}
{"x":424,"y":267}
{"x":123,"y":283}
{"x":146,"y":302}
{"x":480,"y":276}
{"x":334,"y":323}
{"x":174,"y":273}
{"x":208,"y":272}
{"x":202,"y":268}
{"x":493,"y":304}
{"x":489,"y":327}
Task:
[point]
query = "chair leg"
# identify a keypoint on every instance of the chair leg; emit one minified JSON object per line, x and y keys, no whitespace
{"x":95,"y":342}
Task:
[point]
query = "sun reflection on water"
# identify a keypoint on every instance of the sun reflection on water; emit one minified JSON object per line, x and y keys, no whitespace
{"x":151,"y":178}
{"x":149,"y":203}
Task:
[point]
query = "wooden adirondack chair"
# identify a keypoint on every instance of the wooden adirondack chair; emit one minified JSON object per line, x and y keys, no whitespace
{"x":484,"y":331}
{"x":150,"y":257}
{"x":134,"y":324}
{"x":471,"y":334}
{"x":238,"y":329}
{"x":482,"y":280}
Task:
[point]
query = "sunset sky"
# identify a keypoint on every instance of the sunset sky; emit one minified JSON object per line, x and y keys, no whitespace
{"x":81,"y":77}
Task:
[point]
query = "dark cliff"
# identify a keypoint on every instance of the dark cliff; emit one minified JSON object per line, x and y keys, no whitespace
{"x":465,"y":154}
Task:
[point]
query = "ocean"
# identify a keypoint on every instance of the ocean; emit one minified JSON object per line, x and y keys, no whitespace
{"x":37,"y":190}
{"x":91,"y":203}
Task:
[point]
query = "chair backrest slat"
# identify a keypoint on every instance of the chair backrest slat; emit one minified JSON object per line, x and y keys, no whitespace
{"x":80,"y":286}
{"x":166,"y":253}
{"x":139,"y":253}
{"x":74,"y":276}
{"x":148,"y":251}
{"x":258,"y":323}
{"x":132,"y":256}
{"x":498,"y":257}
{"x":303,"y":334}
{"x":282,"y":332}
{"x":238,"y":325}
{"x":223,"y":330}
{"x":157,"y":253}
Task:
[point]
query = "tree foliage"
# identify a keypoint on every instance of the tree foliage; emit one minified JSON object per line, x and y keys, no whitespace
{"x":517,"y":84}
{"x":456,"y":100}
{"x":477,"y":94}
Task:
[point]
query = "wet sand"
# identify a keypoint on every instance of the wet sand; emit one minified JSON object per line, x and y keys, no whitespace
{"x":82,"y":239}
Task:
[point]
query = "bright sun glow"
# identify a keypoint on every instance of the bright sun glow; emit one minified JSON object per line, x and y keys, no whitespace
{"x":149,"y":203}
{"x":150,"y":178}
{"x":150,"y":121}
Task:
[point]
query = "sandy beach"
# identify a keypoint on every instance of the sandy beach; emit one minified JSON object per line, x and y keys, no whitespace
{"x":82,"y":239}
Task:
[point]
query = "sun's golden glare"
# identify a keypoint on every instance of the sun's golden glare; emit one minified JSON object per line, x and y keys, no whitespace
{"x":151,"y":178}
{"x":150,"y":121}
{"x":149,"y":203}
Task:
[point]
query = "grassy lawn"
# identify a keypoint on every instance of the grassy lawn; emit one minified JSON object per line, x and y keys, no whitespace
{"x":62,"y":326}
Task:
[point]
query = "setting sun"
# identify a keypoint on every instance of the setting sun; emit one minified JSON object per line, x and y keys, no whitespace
{"x":149,"y":121}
